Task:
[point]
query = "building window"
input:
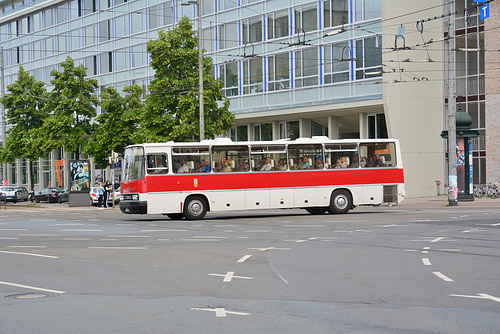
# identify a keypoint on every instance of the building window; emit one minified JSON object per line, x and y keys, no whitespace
{"x":139,"y":55}
{"x":239,"y":133}
{"x":228,"y":35}
{"x":306,"y":67}
{"x":252,"y":30}
{"x":368,"y":9}
{"x":122,"y":59}
{"x":137,"y":22}
{"x":368,"y":58}
{"x":263,"y":132}
{"x":90,"y":34}
{"x":76,"y":39}
{"x":91,"y":65}
{"x":62,"y":13}
{"x":335,"y":13}
{"x":277,"y":24}
{"x":318,"y":129}
{"x":252,"y":76}
{"x":337,"y":60}
{"x":106,"y":62}
{"x":121,"y":26}
{"x":229,"y":75}
{"x":208,"y":35}
{"x":289,"y":130}
{"x":48,"y":18}
{"x":62,"y":42}
{"x":306,"y":19}
{"x":227,"y":4}
{"x":278,"y":72}
{"x":104,"y":31}
{"x":376,"y":126}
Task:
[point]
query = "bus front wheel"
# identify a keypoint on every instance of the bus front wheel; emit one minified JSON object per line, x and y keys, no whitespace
{"x":341,"y":201}
{"x":195,"y":208}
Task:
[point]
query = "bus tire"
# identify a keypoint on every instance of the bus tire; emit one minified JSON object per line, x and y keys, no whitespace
{"x":175,"y":216}
{"x":316,"y":211}
{"x":195,"y":208}
{"x":340,"y":202}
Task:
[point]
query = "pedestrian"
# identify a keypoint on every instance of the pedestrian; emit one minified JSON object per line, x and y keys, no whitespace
{"x":100,"y":194}
{"x":107,"y":192}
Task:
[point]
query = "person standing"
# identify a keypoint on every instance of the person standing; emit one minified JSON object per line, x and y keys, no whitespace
{"x":107,"y":192}
{"x":100,"y":194}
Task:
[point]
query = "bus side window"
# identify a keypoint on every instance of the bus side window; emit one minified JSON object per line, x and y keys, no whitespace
{"x":157,"y":163}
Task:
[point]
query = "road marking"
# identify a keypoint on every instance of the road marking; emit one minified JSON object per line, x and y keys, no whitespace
{"x":80,"y":230}
{"x":425,"y":220}
{"x":4,"y":238}
{"x":441,"y":276}
{"x":426,"y":250}
{"x":243,"y":259}
{"x":13,"y":229}
{"x":426,"y":261}
{"x":31,"y":287}
{"x":219,"y":311}
{"x":480,"y":296}
{"x":73,"y":224}
{"x":268,"y":248}
{"x":114,"y":247}
{"x":450,"y":250}
{"x":226,"y":225}
{"x":77,"y":239}
{"x":40,"y":235}
{"x":27,"y":246}
{"x":474,"y":230}
{"x":391,"y":225}
{"x":305,"y":225}
{"x":259,"y":231}
{"x":229,"y":276}
{"x":438,"y":239}
{"x":198,"y":240}
{"x":207,"y":237}
{"x":128,"y":236}
{"x":30,"y":254}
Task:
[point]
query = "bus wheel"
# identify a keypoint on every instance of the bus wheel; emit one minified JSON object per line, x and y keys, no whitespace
{"x":341,"y":201}
{"x":316,"y":211}
{"x":175,"y":216}
{"x":195,"y":208}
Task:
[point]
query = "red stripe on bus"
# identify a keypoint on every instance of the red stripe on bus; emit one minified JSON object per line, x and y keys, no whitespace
{"x":263,"y":180}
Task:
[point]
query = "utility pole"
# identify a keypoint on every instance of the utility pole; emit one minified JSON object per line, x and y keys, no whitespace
{"x":452,"y":107}
{"x":4,"y":126}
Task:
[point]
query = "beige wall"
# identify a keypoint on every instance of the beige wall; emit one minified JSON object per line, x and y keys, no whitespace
{"x":492,"y":86}
{"x":414,"y":109}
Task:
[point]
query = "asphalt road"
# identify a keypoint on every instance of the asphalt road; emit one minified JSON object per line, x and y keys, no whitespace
{"x":405,"y":269}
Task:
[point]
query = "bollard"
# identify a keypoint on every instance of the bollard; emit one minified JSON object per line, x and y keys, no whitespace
{"x":437,"y":185}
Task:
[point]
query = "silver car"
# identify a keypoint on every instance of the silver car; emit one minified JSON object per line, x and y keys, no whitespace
{"x":22,"y":194}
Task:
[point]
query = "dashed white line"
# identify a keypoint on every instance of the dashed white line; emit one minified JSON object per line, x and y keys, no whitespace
{"x":442,"y":276}
{"x":31,"y":287}
{"x":426,"y":250}
{"x":479,"y":296}
{"x":244,"y":258}
{"x":30,"y":254}
{"x":219,"y":311}
{"x":27,"y":246}
{"x":111,"y":247}
{"x":426,"y":261}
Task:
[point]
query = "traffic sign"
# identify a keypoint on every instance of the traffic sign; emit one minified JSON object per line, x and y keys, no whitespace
{"x":479,"y":1}
{"x":485,"y":11}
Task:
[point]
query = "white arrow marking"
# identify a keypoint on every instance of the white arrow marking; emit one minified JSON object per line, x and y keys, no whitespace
{"x":229,"y":276}
{"x":219,"y":311}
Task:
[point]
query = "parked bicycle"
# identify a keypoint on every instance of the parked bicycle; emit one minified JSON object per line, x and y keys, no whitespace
{"x":489,"y":190}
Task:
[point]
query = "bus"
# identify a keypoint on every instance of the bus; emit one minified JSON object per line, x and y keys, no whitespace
{"x":318,"y":174}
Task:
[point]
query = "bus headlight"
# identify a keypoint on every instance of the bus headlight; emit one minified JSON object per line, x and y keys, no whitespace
{"x":135,"y":197}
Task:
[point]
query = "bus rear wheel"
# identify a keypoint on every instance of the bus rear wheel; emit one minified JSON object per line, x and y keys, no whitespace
{"x":316,"y":211}
{"x":341,"y":201}
{"x":195,"y":208}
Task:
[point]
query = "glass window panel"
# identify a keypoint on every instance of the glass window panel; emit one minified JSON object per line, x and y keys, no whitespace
{"x":373,"y":9}
{"x":281,"y":24}
{"x":137,"y":22}
{"x":138,"y":55}
{"x":310,"y":18}
{"x":62,"y":13}
{"x":155,"y":16}
{"x":255,"y":29}
{"x":310,"y":61}
{"x":76,"y":39}
{"x":168,"y":13}
{"x":48,"y":18}
{"x":208,"y":39}
{"x":373,"y":54}
{"x":90,"y":34}
{"x":104,"y":31}
{"x":62,"y":44}
{"x":340,"y":12}
{"x":121,"y":26}
{"x":49,"y":46}
{"x":122,"y":59}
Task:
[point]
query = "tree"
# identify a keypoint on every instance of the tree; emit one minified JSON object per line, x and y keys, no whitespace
{"x":24,"y":106}
{"x":172,"y":108}
{"x":116,"y":126}
{"x":72,"y":105}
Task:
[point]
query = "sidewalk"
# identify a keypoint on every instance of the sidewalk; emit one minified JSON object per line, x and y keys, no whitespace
{"x":442,"y":202}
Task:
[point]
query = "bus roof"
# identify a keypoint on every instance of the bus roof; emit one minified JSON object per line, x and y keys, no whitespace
{"x":228,"y":141}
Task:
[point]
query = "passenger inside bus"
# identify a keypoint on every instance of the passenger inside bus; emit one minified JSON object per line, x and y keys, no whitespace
{"x":354,"y":162}
{"x":267,"y":166}
{"x":319,"y":162}
{"x":183,"y":168}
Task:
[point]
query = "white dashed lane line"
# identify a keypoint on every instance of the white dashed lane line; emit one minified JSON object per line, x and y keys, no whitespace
{"x":442,"y":276}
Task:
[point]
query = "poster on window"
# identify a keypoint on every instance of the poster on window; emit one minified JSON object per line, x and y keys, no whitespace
{"x":79,"y":175}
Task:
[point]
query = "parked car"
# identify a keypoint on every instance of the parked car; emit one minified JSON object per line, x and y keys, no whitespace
{"x":63,"y":195}
{"x":9,"y":194}
{"x":48,"y":194}
{"x":94,"y":197}
{"x":22,"y":194}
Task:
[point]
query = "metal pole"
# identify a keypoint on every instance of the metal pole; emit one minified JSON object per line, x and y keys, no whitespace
{"x":200,"y":76}
{"x":452,"y":108}
{"x":4,"y":126}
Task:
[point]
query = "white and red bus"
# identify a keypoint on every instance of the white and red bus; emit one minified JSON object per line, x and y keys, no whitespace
{"x":317,"y":174}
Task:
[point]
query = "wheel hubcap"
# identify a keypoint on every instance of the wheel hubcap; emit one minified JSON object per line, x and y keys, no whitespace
{"x":341,"y":202}
{"x":195,"y":208}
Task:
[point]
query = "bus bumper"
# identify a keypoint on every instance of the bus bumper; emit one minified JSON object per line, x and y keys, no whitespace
{"x":134,"y":207}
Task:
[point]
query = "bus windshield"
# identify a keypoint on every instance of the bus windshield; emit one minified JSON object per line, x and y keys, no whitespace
{"x":133,"y":166}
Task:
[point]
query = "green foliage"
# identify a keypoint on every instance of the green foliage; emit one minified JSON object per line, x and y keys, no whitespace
{"x":116,"y":126}
{"x":72,"y":105}
{"x":24,"y":105}
{"x":172,"y":108}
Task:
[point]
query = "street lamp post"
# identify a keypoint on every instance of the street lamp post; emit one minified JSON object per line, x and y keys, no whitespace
{"x":200,"y":66}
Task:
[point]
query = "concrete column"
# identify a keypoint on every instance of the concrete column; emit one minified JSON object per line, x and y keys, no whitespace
{"x":19,"y":177}
{"x":333,"y":127}
{"x":304,"y":128}
{"x":492,"y":87}
{"x":52,"y":175}
{"x":362,"y":126}
{"x":276,"y":130}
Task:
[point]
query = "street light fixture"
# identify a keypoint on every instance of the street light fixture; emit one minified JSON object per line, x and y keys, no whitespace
{"x":200,"y":65}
